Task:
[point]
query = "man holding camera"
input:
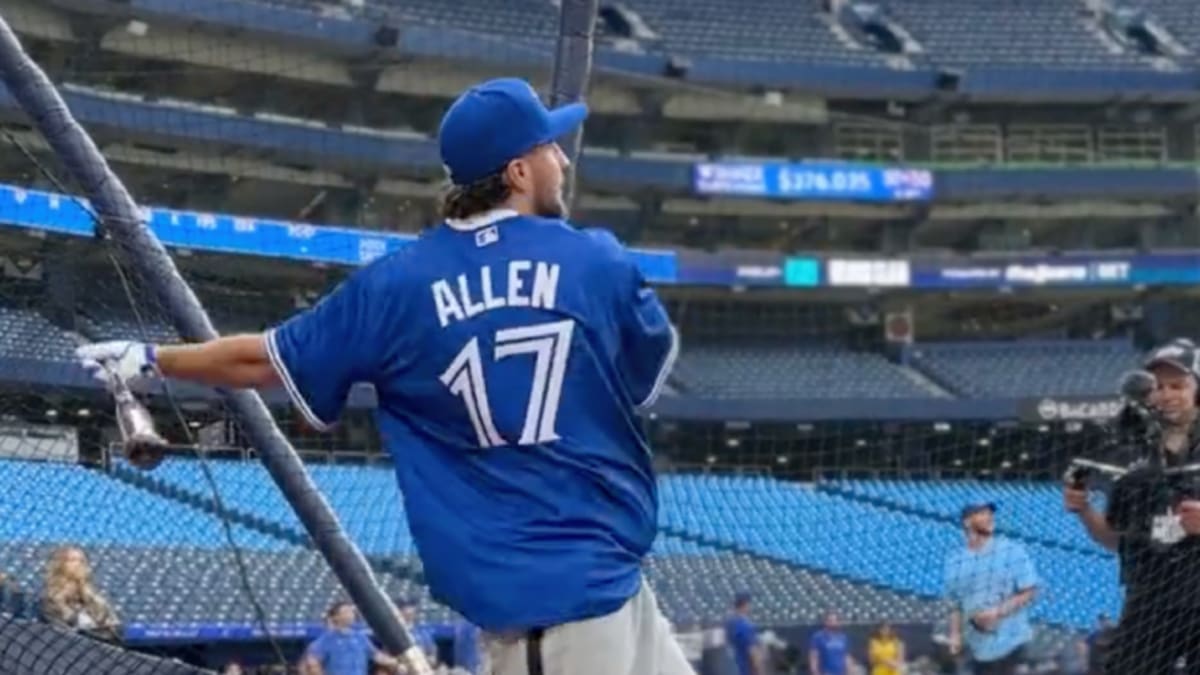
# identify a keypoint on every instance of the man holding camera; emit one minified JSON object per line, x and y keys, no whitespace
{"x":1153,"y":521}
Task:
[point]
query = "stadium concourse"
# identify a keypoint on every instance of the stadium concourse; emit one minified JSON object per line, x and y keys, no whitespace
{"x":995,"y":217}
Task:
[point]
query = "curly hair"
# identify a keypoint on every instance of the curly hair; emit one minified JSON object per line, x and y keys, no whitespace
{"x":464,"y":201}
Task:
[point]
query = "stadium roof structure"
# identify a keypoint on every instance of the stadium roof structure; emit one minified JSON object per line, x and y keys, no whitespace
{"x":405,"y":43}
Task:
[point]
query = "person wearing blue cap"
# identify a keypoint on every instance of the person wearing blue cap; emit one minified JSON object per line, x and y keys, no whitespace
{"x":510,"y":353}
{"x":990,"y":584}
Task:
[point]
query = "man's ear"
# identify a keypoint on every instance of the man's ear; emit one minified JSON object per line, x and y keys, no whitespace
{"x":516,"y":175}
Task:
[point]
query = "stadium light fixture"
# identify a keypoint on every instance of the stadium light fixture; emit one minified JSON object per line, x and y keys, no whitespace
{"x":941,"y":427}
{"x":781,"y":459}
{"x":83,"y":412}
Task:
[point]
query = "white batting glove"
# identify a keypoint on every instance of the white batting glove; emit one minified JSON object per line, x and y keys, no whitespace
{"x":128,"y":360}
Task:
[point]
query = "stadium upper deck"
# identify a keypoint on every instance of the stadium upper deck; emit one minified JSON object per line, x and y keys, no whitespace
{"x":958,"y":60}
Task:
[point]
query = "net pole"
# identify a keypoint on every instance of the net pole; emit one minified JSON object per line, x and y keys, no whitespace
{"x":572,"y":70}
{"x":120,"y":217}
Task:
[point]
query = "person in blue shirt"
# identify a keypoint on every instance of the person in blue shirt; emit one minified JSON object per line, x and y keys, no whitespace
{"x":990,"y":584}
{"x":342,"y":649}
{"x":829,"y":648}
{"x":422,"y":634}
{"x":741,"y":636}
{"x":510,"y":353}
{"x":466,"y":648}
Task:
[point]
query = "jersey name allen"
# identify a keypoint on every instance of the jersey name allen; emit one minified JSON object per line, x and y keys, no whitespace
{"x":463,"y":297}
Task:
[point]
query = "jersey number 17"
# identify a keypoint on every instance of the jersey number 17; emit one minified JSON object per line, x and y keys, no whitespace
{"x":550,"y":345}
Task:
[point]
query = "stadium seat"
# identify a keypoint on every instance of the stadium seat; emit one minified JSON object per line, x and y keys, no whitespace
{"x":865,"y":542}
{"x":1008,"y":34}
{"x":24,"y":333}
{"x":1025,"y":369}
{"x":775,"y":370}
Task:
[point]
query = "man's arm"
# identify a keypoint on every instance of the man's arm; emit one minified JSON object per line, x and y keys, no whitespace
{"x":1097,"y":525}
{"x":1017,"y":602}
{"x":955,"y":631}
{"x":311,"y":665}
{"x":381,"y":658}
{"x":236,"y":362}
{"x":758,"y":659}
{"x":649,"y":343}
{"x":814,"y":661}
{"x":316,"y":355}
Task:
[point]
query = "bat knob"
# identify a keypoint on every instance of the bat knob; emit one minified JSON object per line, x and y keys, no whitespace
{"x":141,"y":443}
{"x":145,"y":452}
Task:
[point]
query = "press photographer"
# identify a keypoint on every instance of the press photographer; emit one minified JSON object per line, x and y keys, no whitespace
{"x":1153,"y":516}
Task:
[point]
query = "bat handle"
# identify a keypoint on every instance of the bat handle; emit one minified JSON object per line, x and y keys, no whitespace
{"x":140,"y":440}
{"x":417,"y":663}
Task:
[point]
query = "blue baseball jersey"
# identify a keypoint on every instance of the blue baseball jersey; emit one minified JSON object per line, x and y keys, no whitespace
{"x":831,"y":647}
{"x":509,"y":355}
{"x":981,"y":580}
{"x":342,"y":652}
{"x":741,"y":635}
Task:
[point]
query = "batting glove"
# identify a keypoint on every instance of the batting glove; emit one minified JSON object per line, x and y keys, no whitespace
{"x":128,"y":360}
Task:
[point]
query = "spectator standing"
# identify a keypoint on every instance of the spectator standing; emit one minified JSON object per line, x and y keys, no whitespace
{"x":885,"y":651}
{"x":342,"y":649}
{"x":422,"y":634}
{"x":741,"y":635}
{"x":829,"y":649}
{"x":991,"y":582}
{"x":466,"y":648}
{"x":70,"y":597}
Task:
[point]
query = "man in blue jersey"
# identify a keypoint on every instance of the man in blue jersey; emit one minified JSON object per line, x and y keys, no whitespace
{"x":741,"y":636}
{"x":342,"y":649}
{"x":466,"y":648}
{"x":829,"y":648}
{"x":510,"y":352}
{"x":990,"y":584}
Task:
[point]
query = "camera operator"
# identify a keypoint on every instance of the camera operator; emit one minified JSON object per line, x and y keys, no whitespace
{"x":1153,"y":519}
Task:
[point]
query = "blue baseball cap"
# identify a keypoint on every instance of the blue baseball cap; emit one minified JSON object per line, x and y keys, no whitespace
{"x":497,"y":121}
{"x":971,"y":509}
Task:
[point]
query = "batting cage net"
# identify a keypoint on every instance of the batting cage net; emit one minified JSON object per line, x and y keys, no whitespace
{"x":837,"y":456}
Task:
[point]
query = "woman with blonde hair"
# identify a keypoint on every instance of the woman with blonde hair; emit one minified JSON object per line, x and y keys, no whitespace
{"x":70,"y":599}
{"x":886,"y":652}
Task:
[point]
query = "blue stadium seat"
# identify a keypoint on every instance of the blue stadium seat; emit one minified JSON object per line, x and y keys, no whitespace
{"x":366,"y":499}
{"x":773,"y":370}
{"x":25,"y":333}
{"x":1031,"y":510}
{"x":1023,"y":369}
{"x":1178,"y":16}
{"x":1013,"y":33}
{"x":865,"y":542}
{"x":52,"y":502}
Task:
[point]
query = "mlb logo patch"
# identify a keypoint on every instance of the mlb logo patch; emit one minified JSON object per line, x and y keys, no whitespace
{"x":486,"y":236}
